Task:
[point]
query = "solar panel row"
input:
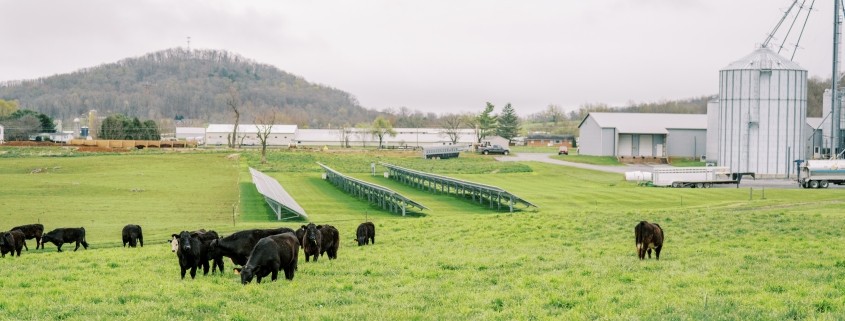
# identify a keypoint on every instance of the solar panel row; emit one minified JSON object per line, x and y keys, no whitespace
{"x":275,"y":195}
{"x":385,"y":197}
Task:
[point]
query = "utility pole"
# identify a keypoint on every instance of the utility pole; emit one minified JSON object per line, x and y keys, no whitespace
{"x":834,"y":93}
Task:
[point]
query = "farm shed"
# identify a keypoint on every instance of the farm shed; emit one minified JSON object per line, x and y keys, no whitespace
{"x":190,"y":133}
{"x":550,"y":140}
{"x":2,"y":135}
{"x":361,"y":137}
{"x":641,"y":134}
{"x":280,"y":135}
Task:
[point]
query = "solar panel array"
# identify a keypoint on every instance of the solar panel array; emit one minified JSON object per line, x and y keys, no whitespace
{"x":449,"y":185}
{"x":384,"y":196}
{"x":275,"y":195}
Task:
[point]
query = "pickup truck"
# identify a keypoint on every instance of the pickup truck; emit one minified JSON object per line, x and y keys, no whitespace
{"x":495,"y":149}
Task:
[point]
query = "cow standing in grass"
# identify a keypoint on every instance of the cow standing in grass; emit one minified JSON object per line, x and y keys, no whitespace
{"x":300,"y":235}
{"x":189,"y":252}
{"x":61,"y":236}
{"x":330,"y":242}
{"x":132,"y":235}
{"x":366,"y":232}
{"x":313,"y":242}
{"x":31,"y":231}
{"x":12,"y":241}
{"x":271,"y":254}
{"x":238,"y":245}
{"x":648,"y":236}
{"x":207,"y":254}
{"x":174,"y":240}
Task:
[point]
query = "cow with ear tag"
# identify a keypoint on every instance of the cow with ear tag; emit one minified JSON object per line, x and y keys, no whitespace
{"x":270,"y":255}
{"x":188,"y":252}
{"x":313,"y":241}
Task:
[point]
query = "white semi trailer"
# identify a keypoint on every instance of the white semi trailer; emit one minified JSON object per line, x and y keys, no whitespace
{"x":821,"y":173}
{"x":698,"y":177}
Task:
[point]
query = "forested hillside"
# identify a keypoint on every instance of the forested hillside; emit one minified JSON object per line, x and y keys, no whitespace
{"x":194,"y":85}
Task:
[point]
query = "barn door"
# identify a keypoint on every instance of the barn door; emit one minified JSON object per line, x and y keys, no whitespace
{"x":635,"y":145}
{"x":624,"y":148}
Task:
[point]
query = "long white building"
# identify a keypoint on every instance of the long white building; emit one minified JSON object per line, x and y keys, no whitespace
{"x":404,"y":137}
{"x":280,"y":135}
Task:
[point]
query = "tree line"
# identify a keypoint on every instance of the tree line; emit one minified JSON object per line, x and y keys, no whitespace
{"x":21,"y":124}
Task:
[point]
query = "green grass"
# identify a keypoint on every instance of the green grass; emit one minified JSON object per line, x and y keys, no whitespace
{"x":538,"y":149}
{"x":686,"y":162}
{"x":574,"y":258}
{"x":595,"y":160}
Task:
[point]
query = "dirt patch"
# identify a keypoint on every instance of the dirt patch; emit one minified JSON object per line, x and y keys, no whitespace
{"x":102,"y":150}
{"x":29,"y":144}
{"x":233,"y":156}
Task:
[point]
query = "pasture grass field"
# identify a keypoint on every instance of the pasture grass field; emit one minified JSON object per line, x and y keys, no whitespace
{"x":726,"y":257}
{"x":587,"y":159}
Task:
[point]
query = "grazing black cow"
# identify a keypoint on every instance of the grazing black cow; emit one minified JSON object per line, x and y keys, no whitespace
{"x":207,"y":254}
{"x":366,"y":232}
{"x":31,"y":231}
{"x":61,"y":236}
{"x":313,"y":241}
{"x":271,"y":254}
{"x":238,"y":245}
{"x":12,"y":241}
{"x":330,"y":242}
{"x":132,"y":235}
{"x":189,"y":252}
{"x":649,"y":236}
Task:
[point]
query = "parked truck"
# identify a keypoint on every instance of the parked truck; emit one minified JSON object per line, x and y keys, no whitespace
{"x":820,"y":173}
{"x":698,"y":177}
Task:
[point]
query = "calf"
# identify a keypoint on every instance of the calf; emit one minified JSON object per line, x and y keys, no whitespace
{"x":61,"y":236}
{"x":238,"y":245}
{"x":207,"y":254}
{"x":271,"y":254}
{"x":31,"y":231}
{"x":189,"y":252}
{"x":300,"y":235}
{"x":132,"y":235}
{"x":330,"y":242}
{"x":366,"y":232}
{"x":174,"y":241}
{"x":313,"y":241}
{"x":12,"y":241}
{"x":648,"y":236}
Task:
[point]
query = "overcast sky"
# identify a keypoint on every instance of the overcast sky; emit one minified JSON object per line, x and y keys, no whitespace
{"x":430,"y":55}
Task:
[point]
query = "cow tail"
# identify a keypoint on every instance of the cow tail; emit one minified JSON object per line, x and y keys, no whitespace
{"x":84,"y":243}
{"x":141,"y":236}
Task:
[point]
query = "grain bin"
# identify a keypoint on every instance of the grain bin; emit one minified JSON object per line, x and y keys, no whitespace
{"x":762,"y":111}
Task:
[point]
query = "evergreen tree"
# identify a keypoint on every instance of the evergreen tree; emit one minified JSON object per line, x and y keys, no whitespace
{"x":485,"y":123}
{"x":508,"y":123}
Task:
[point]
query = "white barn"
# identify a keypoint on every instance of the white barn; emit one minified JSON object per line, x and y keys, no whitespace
{"x":2,"y":135}
{"x":643,"y":135}
{"x":190,"y":133}
{"x":280,"y":135}
{"x":404,"y":137}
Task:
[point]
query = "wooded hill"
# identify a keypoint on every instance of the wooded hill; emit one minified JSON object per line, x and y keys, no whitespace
{"x":192,"y":84}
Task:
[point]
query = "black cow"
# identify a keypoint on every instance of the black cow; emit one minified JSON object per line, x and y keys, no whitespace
{"x":61,"y":236}
{"x":132,"y":235}
{"x":648,"y":236}
{"x":238,"y":245}
{"x":207,"y":254}
{"x":330,"y":242}
{"x":313,"y":241}
{"x":366,"y":232}
{"x":189,"y":252}
{"x":174,"y":240}
{"x":300,"y":235}
{"x":271,"y":254}
{"x":31,"y":231}
{"x":12,"y":241}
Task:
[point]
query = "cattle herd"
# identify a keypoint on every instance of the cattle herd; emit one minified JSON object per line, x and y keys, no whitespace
{"x":259,"y":252}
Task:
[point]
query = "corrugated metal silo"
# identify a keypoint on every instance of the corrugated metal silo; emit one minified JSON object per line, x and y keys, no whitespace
{"x":762,"y":111}
{"x":712,"y":151}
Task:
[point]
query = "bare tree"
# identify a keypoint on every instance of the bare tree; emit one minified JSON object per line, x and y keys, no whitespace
{"x":363,"y":132}
{"x":555,"y":113}
{"x":452,"y":124}
{"x":234,"y":101}
{"x":344,"y":133}
{"x":264,"y":123}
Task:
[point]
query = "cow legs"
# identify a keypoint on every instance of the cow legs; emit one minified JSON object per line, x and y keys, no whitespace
{"x":657,"y":252}
{"x":19,"y":252}
{"x":193,"y":272}
{"x":649,"y":253}
{"x":59,"y":246}
{"x":40,"y":242}
{"x":26,"y":247}
{"x":205,"y":268}
{"x":258,"y":279}
{"x":374,"y":240}
{"x":274,"y":275}
{"x":183,"y":273}
{"x":77,"y":246}
{"x":289,"y":272}
{"x":141,"y":240}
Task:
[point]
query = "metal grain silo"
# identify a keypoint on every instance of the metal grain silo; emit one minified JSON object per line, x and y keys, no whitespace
{"x":762,"y":111}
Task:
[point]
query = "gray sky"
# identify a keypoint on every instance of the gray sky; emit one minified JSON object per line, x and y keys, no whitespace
{"x":430,"y":55}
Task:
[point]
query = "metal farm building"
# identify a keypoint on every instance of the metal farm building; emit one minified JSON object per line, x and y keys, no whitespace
{"x":762,"y":112}
{"x":643,"y":135}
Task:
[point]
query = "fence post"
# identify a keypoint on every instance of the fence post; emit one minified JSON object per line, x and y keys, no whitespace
{"x":764,"y":192}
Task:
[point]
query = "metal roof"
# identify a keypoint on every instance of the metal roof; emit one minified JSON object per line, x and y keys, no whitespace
{"x":380,"y":188}
{"x":275,"y":195}
{"x":426,"y":136}
{"x":765,"y":59}
{"x":549,"y":136}
{"x":249,"y":129}
{"x":190,"y":130}
{"x":646,"y":123}
{"x":483,"y":187}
